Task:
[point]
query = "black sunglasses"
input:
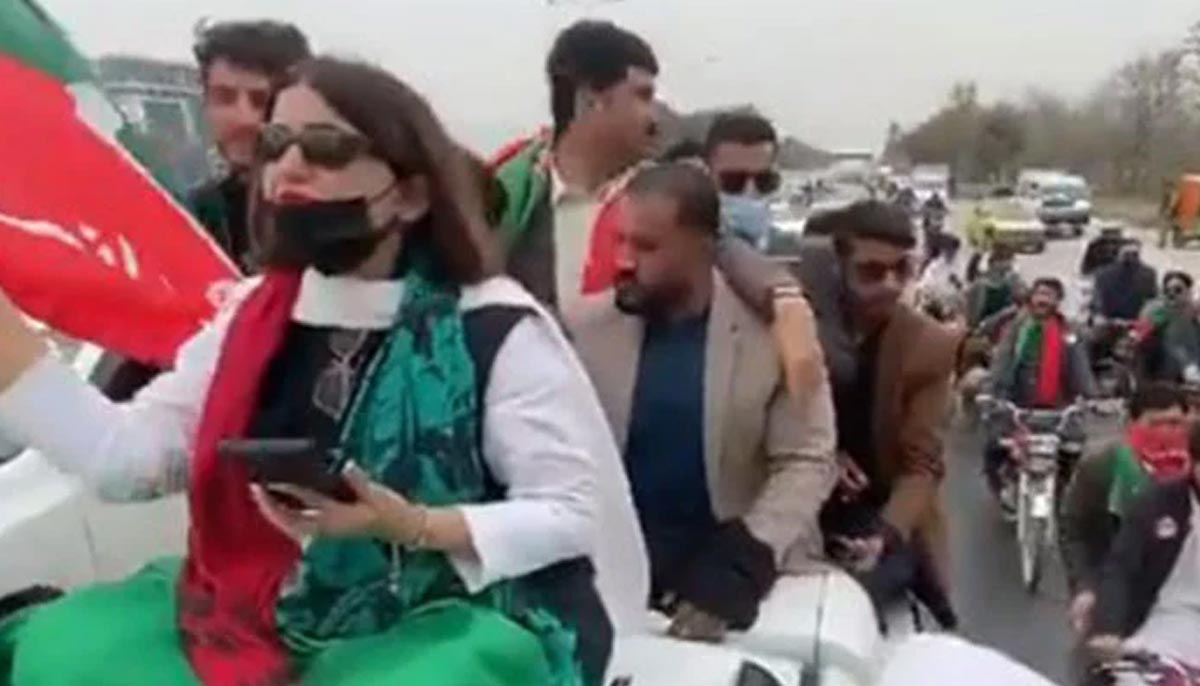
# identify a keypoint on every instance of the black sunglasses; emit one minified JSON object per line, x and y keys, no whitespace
{"x":322,"y":145}
{"x":875,"y":271}
{"x":734,"y":182}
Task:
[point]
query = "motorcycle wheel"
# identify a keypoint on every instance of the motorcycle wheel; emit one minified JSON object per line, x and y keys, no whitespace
{"x":1032,"y":554}
{"x":1030,"y":533}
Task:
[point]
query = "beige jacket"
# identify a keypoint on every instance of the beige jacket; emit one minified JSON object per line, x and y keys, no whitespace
{"x":769,"y":458}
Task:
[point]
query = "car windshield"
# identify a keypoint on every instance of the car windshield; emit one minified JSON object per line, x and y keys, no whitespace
{"x":1074,"y":191}
{"x":929,"y":184}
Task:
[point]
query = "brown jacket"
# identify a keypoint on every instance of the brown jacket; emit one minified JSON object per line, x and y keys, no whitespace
{"x":916,"y":361}
{"x":769,"y":458}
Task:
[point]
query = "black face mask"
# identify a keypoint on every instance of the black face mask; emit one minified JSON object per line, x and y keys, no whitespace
{"x":334,"y":236}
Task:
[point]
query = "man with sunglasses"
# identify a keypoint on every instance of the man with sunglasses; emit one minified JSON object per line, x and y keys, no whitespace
{"x":884,"y":522}
{"x":241,"y":65}
{"x":1168,"y":333}
{"x":564,"y":188}
{"x":740,"y":151}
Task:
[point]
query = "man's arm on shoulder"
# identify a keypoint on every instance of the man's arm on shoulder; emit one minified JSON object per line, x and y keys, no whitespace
{"x":922,"y":436}
{"x":752,"y":275}
{"x":800,"y":439}
{"x":755,"y":278}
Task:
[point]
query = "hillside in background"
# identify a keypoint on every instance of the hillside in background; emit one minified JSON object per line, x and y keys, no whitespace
{"x":678,"y":127}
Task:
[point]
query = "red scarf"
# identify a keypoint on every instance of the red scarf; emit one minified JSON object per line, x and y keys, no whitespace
{"x":1049,"y":364}
{"x":236,"y":560}
{"x":1162,"y":451}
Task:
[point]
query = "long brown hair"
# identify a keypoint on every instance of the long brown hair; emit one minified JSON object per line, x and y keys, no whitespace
{"x":407,"y":135}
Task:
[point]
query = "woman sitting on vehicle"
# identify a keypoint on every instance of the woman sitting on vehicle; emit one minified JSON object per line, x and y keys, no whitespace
{"x":481,"y":467}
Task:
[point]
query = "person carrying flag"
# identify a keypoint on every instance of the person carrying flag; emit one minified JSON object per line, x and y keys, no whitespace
{"x":474,"y":462}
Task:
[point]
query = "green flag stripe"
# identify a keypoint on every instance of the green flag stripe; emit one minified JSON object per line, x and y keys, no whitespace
{"x":29,"y":34}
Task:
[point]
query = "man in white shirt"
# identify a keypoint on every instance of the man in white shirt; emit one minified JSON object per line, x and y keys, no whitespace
{"x":562,"y":190}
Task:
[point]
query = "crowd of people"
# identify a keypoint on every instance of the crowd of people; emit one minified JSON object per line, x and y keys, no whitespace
{"x":1133,"y":605}
{"x":529,"y":369}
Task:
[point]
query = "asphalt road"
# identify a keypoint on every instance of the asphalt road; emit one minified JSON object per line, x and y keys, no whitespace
{"x":994,"y":607}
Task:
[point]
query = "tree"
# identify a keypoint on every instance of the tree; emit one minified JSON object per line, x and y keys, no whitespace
{"x":1000,"y":142}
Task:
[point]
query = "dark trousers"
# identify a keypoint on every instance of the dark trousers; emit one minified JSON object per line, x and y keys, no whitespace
{"x":900,"y":572}
{"x":889,"y":582}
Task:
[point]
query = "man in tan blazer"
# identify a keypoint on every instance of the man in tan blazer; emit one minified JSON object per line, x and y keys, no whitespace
{"x":729,"y":471}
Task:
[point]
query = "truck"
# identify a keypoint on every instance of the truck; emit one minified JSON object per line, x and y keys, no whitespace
{"x":928,"y":179}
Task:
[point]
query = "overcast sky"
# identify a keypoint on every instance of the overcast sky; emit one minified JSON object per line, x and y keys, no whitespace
{"x":832,"y":72}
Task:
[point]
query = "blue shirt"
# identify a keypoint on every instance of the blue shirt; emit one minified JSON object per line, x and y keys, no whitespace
{"x":664,"y":453}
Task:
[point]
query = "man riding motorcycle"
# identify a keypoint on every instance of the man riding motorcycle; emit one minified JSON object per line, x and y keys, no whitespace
{"x":1152,"y":449}
{"x":1168,"y":333}
{"x":933,"y":220}
{"x":1102,"y":250}
{"x":1121,"y":292}
{"x":939,"y":290}
{"x":1039,"y":364}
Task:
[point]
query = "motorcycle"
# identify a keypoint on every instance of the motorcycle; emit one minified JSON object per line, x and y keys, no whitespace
{"x":1138,"y":668}
{"x":1031,"y":480}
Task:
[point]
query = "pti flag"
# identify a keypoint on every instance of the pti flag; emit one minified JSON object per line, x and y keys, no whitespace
{"x":89,"y":243}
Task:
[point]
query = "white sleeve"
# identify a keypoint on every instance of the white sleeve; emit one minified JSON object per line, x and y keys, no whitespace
{"x":534,"y":441}
{"x":124,"y":451}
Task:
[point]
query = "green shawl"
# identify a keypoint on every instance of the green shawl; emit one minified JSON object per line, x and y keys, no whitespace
{"x":413,"y":427}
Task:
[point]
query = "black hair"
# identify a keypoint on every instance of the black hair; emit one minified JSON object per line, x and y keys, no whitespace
{"x":269,"y":47}
{"x":698,"y":206}
{"x":821,"y":224}
{"x":874,"y":220}
{"x":1000,"y":251}
{"x":1156,"y":396}
{"x":743,"y":128}
{"x":1178,"y":276}
{"x":686,"y":149}
{"x":1053,"y":283}
{"x":591,"y":54}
